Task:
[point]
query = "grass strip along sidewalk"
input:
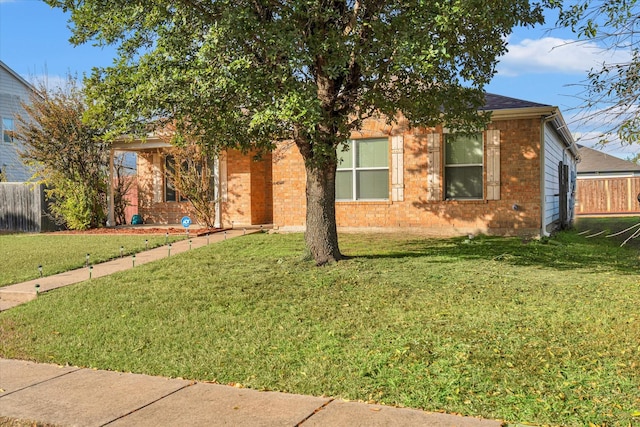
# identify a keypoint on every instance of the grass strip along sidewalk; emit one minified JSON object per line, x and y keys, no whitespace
{"x":545,"y":332}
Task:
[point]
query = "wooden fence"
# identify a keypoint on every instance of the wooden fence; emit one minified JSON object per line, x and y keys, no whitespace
{"x":608,"y":196}
{"x":22,"y":208}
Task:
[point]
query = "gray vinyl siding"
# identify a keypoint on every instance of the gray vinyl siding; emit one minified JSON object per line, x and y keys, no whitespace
{"x":554,"y":153}
{"x":13,"y":91}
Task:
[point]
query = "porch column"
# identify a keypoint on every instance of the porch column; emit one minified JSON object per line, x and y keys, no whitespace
{"x":111,"y":198}
{"x":221,"y":187}
{"x":216,"y":192}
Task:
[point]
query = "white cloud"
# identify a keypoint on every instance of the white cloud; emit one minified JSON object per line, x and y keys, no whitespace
{"x":555,"y":55}
{"x":589,"y":127}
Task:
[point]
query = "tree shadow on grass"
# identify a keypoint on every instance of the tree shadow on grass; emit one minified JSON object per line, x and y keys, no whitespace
{"x":566,"y":251}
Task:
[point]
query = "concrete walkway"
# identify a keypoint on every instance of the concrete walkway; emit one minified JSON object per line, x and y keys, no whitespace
{"x":69,"y":396}
{"x":53,"y":395}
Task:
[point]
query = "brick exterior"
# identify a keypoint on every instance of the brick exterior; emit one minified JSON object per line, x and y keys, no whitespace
{"x":151,"y":206}
{"x":273,"y":190}
{"x":519,"y":185}
{"x":246,"y":199}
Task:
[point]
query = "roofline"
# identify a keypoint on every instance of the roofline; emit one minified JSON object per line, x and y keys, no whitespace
{"x":131,"y":143}
{"x":549,"y":114}
{"x":522,"y":113}
{"x":608,"y":174}
{"x":18,"y":77}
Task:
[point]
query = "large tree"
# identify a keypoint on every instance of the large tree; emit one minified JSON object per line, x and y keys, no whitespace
{"x":248,"y":73}
{"x":611,"y":95}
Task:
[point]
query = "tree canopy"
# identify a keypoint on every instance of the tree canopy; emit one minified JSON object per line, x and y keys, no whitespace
{"x":246,"y":74}
{"x":612,"y":90}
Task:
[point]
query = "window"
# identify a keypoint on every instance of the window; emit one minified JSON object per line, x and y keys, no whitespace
{"x":463,"y":166}
{"x":8,"y":129}
{"x":363,"y":170}
{"x":191,"y":172}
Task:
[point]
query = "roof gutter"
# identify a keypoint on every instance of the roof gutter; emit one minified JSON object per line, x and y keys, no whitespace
{"x":563,"y":130}
{"x":130,"y":143}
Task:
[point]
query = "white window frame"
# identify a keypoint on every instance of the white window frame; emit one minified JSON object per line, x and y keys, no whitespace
{"x":463,"y":165}
{"x":354,"y":170}
{"x":12,"y":129}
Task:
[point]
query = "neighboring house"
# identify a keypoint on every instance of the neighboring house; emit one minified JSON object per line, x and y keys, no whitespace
{"x":14,"y":90}
{"x":22,"y":207}
{"x":517,"y":177}
{"x":607,"y":185}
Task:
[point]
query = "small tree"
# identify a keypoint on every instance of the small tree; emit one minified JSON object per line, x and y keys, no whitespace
{"x":193,"y":177}
{"x":69,"y":155}
{"x":122,"y":185}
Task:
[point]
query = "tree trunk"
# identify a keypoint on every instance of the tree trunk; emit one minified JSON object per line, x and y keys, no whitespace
{"x":321,"y":235}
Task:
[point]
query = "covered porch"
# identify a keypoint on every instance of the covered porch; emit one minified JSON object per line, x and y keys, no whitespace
{"x":242,"y":186}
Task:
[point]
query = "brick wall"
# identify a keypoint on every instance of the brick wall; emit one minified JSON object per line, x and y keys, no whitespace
{"x":262,"y":191}
{"x":248,"y":199}
{"x":236,"y":203}
{"x":519,"y":185}
{"x":151,"y":204}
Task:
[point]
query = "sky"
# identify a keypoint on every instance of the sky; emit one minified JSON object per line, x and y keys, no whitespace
{"x":542,"y":65}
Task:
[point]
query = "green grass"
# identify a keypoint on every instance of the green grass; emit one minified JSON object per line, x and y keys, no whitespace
{"x":21,"y":254}
{"x":544,"y":332}
{"x":611,"y":226}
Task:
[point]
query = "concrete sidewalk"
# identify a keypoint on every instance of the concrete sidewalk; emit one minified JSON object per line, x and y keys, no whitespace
{"x":13,"y":295}
{"x":69,"y":396}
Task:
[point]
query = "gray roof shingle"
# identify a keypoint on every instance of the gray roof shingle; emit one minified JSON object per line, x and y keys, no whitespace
{"x":495,"y":102}
{"x":594,"y":161}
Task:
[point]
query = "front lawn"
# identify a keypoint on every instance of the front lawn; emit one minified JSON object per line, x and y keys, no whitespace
{"x":21,"y":254}
{"x":545,"y":332}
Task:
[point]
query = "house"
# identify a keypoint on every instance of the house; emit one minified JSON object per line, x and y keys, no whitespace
{"x":14,"y":90}
{"x":22,"y":207}
{"x":516,"y":177}
{"x":606,"y":184}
